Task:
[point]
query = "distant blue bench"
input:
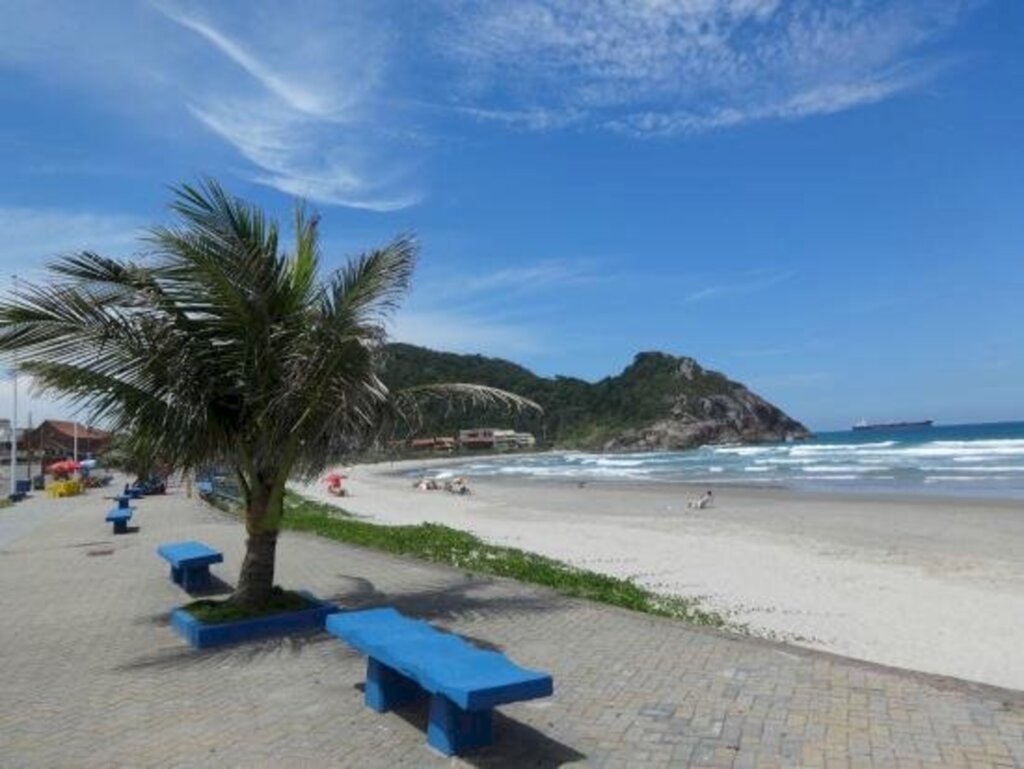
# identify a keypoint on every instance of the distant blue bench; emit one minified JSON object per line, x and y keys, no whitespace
{"x":190,"y":563}
{"x":122,"y":500}
{"x":120,"y":516}
{"x":135,"y":492}
{"x":408,"y":658}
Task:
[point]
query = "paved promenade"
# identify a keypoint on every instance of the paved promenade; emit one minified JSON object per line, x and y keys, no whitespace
{"x":92,"y":676}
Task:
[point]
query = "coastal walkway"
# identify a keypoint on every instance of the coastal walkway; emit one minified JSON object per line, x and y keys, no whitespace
{"x":91,"y":675}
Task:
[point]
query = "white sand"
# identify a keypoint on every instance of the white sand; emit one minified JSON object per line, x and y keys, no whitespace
{"x":931,"y":585}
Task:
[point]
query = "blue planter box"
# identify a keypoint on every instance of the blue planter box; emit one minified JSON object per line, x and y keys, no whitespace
{"x":203,"y":636}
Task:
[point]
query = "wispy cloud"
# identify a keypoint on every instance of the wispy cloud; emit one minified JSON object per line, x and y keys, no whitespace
{"x":33,"y":235}
{"x":337,"y":101}
{"x":293,"y":93}
{"x":298,"y":94}
{"x":306,"y":117}
{"x":496,"y":312}
{"x":454,"y":330}
{"x":503,"y":284}
{"x":677,"y":66}
{"x":747,"y":283}
{"x":30,"y":404}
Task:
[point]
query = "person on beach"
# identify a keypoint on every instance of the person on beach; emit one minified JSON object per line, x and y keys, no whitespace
{"x":458,"y":486}
{"x":702,"y":502}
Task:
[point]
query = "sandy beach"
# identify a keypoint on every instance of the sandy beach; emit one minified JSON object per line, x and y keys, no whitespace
{"x":929,"y":584}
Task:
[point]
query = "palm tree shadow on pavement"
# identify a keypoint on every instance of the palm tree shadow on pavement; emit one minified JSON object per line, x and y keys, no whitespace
{"x":465,"y":599}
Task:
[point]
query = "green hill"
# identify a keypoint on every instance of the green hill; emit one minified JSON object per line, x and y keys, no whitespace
{"x":658,"y":402}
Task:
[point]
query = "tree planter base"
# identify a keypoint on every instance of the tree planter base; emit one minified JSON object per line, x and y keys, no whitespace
{"x":202,"y":635}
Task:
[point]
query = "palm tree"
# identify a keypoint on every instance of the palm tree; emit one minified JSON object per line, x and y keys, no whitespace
{"x":221,"y":348}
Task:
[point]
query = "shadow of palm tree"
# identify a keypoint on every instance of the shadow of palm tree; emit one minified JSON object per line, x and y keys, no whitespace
{"x":470,"y":597}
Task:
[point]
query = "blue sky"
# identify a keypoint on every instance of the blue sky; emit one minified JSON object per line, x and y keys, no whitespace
{"x":823,"y":200}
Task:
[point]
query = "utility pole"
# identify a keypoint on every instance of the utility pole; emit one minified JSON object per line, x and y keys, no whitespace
{"x":75,"y":457}
{"x":29,"y":450}
{"x":14,"y":420}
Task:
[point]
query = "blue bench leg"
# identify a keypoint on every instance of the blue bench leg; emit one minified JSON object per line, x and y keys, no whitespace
{"x":196,"y":578}
{"x":120,"y":527}
{"x":453,"y":730}
{"x":176,"y":575}
{"x":122,"y":504}
{"x":386,"y":688}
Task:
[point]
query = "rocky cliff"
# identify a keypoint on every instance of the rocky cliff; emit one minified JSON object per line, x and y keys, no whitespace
{"x":658,"y":402}
{"x":699,"y":407}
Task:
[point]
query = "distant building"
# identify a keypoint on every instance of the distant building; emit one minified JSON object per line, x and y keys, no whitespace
{"x":495,"y":439}
{"x":55,"y":439}
{"x":437,"y":443}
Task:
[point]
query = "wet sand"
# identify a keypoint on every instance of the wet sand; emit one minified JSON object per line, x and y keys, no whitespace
{"x":932,"y":584}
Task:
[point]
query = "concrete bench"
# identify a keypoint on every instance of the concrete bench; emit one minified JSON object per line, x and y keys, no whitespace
{"x":123,"y":500}
{"x":190,"y":563}
{"x":409,"y":658}
{"x":120,"y":516}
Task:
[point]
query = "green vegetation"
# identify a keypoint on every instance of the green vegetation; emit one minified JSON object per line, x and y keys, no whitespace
{"x":213,"y":612}
{"x":441,"y":544}
{"x":576,"y":414}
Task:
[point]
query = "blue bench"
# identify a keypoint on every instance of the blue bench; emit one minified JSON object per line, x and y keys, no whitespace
{"x":408,"y":658}
{"x":122,"y":500}
{"x":135,"y":492}
{"x":190,"y":563}
{"x":120,"y":516}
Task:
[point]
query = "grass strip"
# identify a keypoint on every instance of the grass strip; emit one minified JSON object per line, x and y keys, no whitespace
{"x":213,"y":612}
{"x":441,"y":544}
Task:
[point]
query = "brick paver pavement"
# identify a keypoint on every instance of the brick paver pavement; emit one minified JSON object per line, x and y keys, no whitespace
{"x":91,"y":675}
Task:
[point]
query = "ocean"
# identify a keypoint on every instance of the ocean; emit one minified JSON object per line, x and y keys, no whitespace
{"x":977,"y":460}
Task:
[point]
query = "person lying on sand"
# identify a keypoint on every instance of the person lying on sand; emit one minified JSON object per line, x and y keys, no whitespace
{"x":702,"y":502}
{"x":458,"y":486}
{"x":426,"y":484}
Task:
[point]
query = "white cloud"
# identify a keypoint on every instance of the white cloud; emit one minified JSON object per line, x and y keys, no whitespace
{"x":33,"y":235}
{"x":748,"y":283}
{"x":309,"y":124}
{"x":335,"y":100}
{"x":668,"y":67}
{"x":454,"y":331}
{"x":297,"y":93}
{"x":30,"y":403}
{"x":294,"y":93}
{"x":485,"y":312}
{"x":294,"y":156}
{"x":503,"y":285}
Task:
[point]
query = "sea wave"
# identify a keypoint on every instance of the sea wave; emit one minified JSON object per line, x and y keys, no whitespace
{"x":987,"y":463}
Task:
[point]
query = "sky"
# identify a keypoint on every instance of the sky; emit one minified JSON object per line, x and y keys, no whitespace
{"x":823,"y":199}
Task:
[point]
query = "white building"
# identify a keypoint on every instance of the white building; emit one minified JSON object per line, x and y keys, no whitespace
{"x":494,"y":438}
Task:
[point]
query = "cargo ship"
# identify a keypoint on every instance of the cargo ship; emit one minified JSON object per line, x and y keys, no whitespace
{"x":863,"y":425}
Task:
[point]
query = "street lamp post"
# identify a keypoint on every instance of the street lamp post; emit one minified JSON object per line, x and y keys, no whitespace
{"x":14,"y":420}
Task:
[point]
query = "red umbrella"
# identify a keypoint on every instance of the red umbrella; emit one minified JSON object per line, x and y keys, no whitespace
{"x":333,"y":479}
{"x":64,"y":467}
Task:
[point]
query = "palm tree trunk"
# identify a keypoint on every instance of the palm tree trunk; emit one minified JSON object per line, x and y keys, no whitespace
{"x":262,"y":520}
{"x":256,"y":579}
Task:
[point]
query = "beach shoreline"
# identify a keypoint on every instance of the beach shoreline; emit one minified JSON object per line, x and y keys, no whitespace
{"x":926,"y":583}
